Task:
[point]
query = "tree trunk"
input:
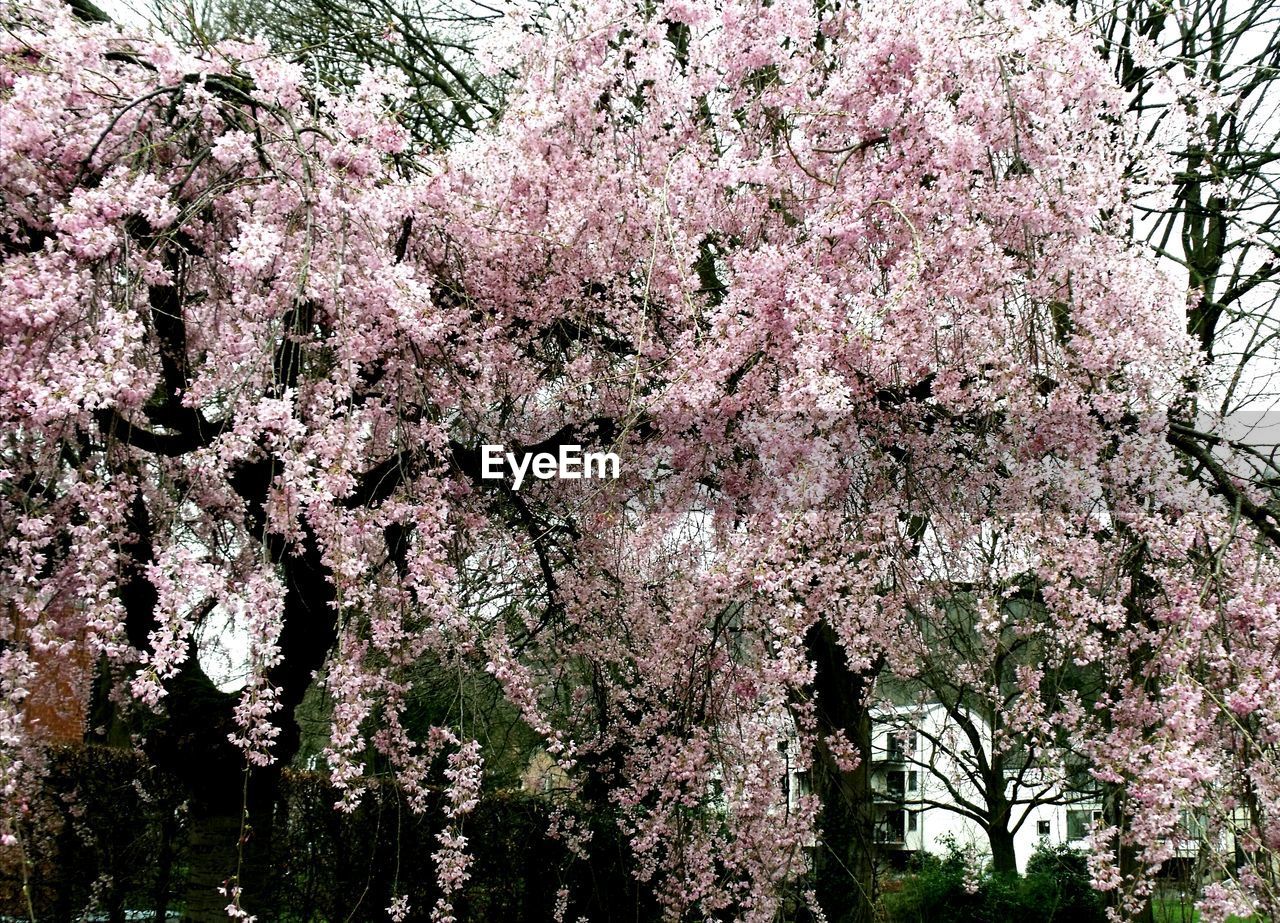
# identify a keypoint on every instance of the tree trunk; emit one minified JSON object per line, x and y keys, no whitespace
{"x":164,"y":869}
{"x":192,"y":740}
{"x":211,"y":863}
{"x":193,"y":745}
{"x":1115,"y":802}
{"x":1004,"y":858}
{"x":844,"y":859}
{"x":218,"y":858}
{"x":1115,"y":809}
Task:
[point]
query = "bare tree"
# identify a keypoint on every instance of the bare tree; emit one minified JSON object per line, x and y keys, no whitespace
{"x":1201,"y":78}
{"x":965,"y":704}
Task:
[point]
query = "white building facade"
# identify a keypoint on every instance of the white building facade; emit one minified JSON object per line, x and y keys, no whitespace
{"x":925,"y":779}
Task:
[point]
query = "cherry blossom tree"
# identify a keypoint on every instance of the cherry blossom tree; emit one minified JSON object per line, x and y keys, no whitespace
{"x":848,"y":289}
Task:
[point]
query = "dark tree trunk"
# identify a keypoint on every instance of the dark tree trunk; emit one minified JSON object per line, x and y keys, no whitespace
{"x":225,"y":796}
{"x":211,"y":862}
{"x":844,"y":858}
{"x":232,"y":844}
{"x":192,"y":741}
{"x":1115,"y":809}
{"x":1004,"y":859}
{"x":164,"y":869}
{"x":1115,"y":803}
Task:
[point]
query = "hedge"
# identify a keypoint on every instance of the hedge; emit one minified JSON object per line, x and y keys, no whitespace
{"x":109,"y":835}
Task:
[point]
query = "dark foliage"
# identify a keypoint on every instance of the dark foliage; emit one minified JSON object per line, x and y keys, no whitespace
{"x":1055,"y":890}
{"x":109,"y":836}
{"x":105,"y":836}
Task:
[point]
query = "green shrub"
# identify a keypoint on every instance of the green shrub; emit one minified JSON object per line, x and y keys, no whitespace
{"x":1058,"y":881}
{"x":941,"y":889}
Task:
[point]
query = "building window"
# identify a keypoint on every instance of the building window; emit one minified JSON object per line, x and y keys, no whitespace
{"x":913,"y":781}
{"x":1042,"y":827}
{"x":891,"y":827}
{"x":1193,"y":825}
{"x":802,"y":780}
{"x":1080,"y":823}
{"x":900,"y":743}
{"x":895,"y":782}
{"x":912,"y":822}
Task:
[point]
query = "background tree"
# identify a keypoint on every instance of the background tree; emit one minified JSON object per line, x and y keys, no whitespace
{"x":985,"y":696}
